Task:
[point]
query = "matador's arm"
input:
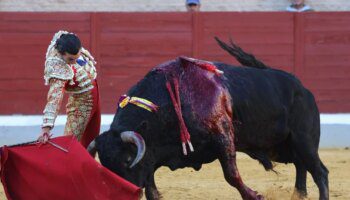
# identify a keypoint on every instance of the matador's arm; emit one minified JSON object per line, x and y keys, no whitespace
{"x":54,"y":101}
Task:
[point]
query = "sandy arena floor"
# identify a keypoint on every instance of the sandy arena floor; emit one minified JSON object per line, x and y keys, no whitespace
{"x":209,"y":183}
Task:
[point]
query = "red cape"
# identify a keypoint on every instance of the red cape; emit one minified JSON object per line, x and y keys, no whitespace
{"x":33,"y":172}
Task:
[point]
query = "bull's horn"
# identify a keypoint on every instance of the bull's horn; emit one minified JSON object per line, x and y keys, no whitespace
{"x":92,"y":148}
{"x":133,"y":137}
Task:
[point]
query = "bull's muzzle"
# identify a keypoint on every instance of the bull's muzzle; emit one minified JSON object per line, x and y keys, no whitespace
{"x":135,"y":138}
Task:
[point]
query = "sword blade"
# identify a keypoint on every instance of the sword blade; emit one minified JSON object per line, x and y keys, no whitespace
{"x":58,"y":146}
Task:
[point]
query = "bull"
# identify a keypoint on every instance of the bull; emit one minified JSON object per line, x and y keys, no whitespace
{"x":263,"y":112}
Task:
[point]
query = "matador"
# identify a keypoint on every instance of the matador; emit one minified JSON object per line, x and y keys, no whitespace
{"x":69,"y":68}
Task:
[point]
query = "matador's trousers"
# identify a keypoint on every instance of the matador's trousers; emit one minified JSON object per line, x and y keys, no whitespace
{"x":84,"y":115}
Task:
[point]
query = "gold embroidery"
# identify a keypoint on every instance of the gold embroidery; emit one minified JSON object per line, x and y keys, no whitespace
{"x":54,"y":101}
{"x":57,"y":68}
{"x":78,"y":113}
{"x":84,"y":75}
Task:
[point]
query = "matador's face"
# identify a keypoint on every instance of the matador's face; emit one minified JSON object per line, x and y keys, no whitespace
{"x":70,"y":58}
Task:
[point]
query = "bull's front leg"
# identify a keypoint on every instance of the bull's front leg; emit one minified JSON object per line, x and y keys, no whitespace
{"x":227,"y":158}
{"x":151,"y":190}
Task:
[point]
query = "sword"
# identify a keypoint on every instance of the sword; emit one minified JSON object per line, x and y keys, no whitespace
{"x":57,"y":146}
{"x":36,"y":142}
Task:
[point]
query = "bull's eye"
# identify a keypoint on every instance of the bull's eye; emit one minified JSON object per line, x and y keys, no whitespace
{"x":128,"y":160}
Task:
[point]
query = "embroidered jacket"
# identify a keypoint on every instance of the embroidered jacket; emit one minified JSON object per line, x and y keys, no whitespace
{"x":74,"y":79}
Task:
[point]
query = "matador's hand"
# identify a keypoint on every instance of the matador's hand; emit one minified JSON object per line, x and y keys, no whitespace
{"x":45,"y":135}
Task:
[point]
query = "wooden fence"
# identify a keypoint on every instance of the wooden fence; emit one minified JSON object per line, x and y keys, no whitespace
{"x":314,"y":46}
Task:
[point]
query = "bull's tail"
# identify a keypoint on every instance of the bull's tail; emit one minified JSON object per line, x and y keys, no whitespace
{"x":241,"y":56}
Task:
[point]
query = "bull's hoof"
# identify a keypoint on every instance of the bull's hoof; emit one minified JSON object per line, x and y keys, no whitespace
{"x":298,"y":195}
{"x":253,"y":195}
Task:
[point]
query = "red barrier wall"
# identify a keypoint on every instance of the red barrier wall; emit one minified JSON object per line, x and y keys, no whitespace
{"x":315,"y":46}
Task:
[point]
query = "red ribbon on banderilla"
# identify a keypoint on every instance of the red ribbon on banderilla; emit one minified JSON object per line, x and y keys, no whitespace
{"x":175,"y":98}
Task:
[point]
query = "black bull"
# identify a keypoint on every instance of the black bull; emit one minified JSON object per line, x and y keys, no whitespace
{"x":263,"y":112}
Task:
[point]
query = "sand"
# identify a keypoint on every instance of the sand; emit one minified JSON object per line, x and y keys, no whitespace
{"x":209,"y":183}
